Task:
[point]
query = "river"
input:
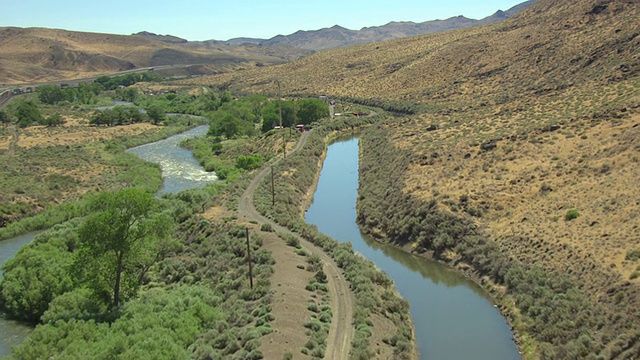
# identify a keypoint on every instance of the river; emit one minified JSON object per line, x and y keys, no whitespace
{"x":453,"y":317}
{"x":180,"y":170}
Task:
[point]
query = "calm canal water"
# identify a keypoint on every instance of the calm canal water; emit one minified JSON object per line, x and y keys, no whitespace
{"x":180,"y":170}
{"x":453,"y":317}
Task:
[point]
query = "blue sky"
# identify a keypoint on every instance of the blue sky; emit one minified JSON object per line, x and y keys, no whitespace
{"x":222,"y":20}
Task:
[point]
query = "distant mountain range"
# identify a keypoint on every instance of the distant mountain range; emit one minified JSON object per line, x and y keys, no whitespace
{"x":338,"y":36}
{"x":40,"y":55}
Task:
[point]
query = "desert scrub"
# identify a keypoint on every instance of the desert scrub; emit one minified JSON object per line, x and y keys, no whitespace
{"x":24,"y":175}
{"x":266,"y":228}
{"x":633,"y":255}
{"x":320,"y":318}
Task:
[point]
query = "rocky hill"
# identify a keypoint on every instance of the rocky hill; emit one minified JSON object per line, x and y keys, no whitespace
{"x":338,"y":36}
{"x":166,"y":38}
{"x":40,"y":55}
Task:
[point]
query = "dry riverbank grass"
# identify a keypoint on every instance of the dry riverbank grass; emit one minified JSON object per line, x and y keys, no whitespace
{"x":74,"y":131}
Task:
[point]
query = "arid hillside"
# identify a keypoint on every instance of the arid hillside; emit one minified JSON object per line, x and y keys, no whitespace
{"x":551,"y":47}
{"x":530,"y":130}
{"x":39,"y":55}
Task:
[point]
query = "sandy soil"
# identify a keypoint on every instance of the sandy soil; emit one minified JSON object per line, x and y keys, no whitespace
{"x":289,"y":304}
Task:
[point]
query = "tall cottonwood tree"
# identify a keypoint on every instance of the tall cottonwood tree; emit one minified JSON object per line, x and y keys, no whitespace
{"x":120,"y":241}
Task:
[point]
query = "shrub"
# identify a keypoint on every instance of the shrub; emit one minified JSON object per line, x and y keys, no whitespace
{"x":633,"y":255}
{"x":266,"y":228}
{"x":545,"y":188}
{"x":571,"y":214}
{"x":292,"y":241}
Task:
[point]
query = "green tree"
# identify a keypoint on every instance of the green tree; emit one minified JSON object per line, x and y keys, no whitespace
{"x":120,"y":241}
{"x":226,"y":97}
{"x":271,"y":115}
{"x":155,"y":113}
{"x":38,"y":273}
{"x":100,"y":118}
{"x":311,"y":110}
{"x":249,"y":162}
{"x":127,"y":94}
{"x":27,"y":113}
{"x":52,"y":120}
{"x":227,"y":124}
{"x":50,"y":94}
{"x":5,"y":118}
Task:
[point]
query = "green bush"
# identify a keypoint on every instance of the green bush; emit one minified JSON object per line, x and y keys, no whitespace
{"x":38,"y":273}
{"x":571,"y":214}
{"x":633,"y":255}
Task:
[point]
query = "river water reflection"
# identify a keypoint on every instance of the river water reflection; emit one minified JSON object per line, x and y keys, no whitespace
{"x":453,"y":317}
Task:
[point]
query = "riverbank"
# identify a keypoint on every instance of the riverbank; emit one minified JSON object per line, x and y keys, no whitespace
{"x":499,"y":298}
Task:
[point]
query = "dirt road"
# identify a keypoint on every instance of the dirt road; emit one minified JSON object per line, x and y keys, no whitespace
{"x":341,"y":329}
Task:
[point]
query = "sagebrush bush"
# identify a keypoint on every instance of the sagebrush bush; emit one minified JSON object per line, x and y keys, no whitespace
{"x":571,"y":214}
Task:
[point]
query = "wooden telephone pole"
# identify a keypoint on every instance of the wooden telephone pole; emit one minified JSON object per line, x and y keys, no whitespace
{"x":273,"y":189}
{"x":249,"y":259}
{"x":279,"y":102}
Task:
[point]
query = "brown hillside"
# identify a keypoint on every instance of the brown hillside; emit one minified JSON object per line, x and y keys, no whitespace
{"x":551,"y":46}
{"x":38,"y":54}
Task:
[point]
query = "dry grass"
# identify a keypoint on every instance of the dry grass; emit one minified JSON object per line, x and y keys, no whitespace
{"x":524,"y":187}
{"x":75,"y":130}
{"x":536,"y":52}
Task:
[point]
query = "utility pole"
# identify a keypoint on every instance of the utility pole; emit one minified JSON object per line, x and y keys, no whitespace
{"x":284,"y":146}
{"x":249,"y":259}
{"x":279,"y":102}
{"x":273,"y":189}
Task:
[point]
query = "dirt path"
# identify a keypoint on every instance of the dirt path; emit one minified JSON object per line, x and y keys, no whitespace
{"x":341,"y":330}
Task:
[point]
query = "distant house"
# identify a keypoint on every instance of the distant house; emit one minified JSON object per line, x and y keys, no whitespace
{"x":324,"y":98}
